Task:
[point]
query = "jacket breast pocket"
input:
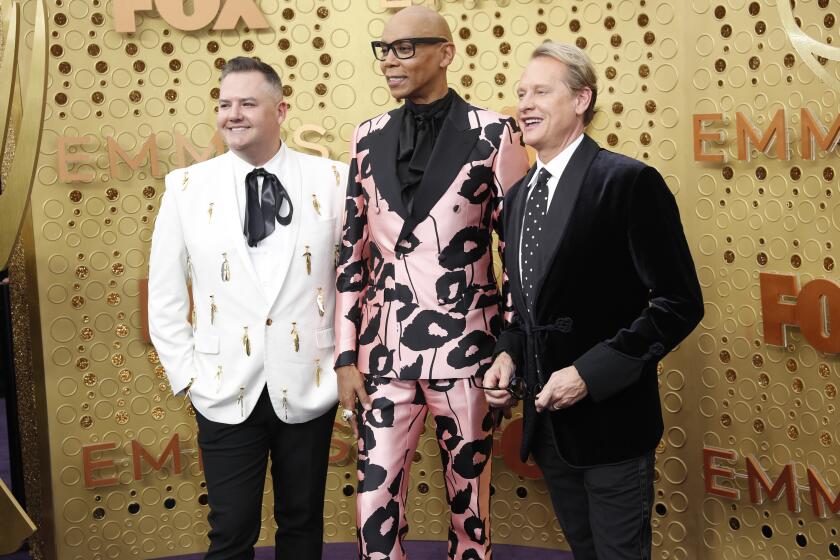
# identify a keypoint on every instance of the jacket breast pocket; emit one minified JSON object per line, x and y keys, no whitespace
{"x":325,"y":338}
{"x":206,"y":343}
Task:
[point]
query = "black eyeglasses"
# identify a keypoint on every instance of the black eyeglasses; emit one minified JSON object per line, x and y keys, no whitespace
{"x":517,"y":388}
{"x":403,"y":48}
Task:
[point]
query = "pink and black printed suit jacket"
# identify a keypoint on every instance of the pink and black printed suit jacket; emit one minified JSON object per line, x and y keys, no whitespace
{"x":417,"y":294}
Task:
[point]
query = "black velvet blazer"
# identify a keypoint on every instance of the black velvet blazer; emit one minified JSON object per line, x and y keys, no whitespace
{"x":618,"y":291}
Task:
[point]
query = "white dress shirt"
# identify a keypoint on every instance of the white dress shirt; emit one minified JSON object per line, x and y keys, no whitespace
{"x":264,"y":255}
{"x":556,"y":167}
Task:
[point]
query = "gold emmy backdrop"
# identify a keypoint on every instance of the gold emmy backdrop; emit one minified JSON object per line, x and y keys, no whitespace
{"x":734,"y":101}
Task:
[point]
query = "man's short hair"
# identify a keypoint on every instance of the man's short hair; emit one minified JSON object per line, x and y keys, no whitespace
{"x":580,"y":73}
{"x":251,"y":64}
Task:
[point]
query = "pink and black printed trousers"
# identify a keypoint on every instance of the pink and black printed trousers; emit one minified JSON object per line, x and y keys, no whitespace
{"x":388,"y":438}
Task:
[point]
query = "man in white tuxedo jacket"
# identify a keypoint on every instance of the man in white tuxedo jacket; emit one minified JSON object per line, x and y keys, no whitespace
{"x":253,"y":233}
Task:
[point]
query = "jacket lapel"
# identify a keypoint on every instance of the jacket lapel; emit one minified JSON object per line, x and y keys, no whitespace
{"x":451,"y":152}
{"x":225,"y":180}
{"x":382,"y":159}
{"x":560,"y":210}
{"x":514,"y":210}
{"x":293,"y":181}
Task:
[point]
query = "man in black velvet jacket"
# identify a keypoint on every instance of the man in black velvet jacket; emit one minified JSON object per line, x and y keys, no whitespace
{"x":603,"y":286}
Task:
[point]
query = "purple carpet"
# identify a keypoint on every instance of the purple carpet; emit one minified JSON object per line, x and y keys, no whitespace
{"x":417,"y":550}
{"x":5,"y":472}
{"x":421,"y":550}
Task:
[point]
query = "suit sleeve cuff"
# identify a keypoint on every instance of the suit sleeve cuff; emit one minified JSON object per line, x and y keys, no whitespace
{"x":346,"y":358}
{"x":606,"y":371}
{"x":179,"y":388}
{"x":510,"y":342}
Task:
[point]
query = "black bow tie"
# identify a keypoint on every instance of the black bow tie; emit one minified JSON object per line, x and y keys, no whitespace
{"x":263,"y":209}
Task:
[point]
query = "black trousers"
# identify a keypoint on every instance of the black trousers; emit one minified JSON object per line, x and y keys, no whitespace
{"x":235,"y":458}
{"x":604,"y":510}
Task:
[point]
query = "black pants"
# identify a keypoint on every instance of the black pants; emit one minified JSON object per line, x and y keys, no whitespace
{"x":604,"y":510}
{"x":235,"y":458}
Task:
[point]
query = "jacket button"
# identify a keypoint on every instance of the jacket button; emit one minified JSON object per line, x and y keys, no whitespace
{"x":269,"y":321}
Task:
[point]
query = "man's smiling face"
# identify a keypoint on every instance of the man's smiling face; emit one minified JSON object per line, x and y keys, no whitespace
{"x":250,"y":114}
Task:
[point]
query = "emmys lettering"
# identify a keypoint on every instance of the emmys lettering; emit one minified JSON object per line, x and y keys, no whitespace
{"x":762,"y":486}
{"x":203,"y":12}
{"x":102,"y":468}
{"x":76,"y":160}
{"x":813,"y":135}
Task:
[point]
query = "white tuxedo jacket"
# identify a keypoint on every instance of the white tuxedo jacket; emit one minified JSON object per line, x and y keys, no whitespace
{"x":244,"y":336}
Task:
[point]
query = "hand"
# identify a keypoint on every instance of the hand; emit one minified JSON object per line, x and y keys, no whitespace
{"x":500,"y":414}
{"x":499,"y":375}
{"x":351,"y":387}
{"x":564,"y":388}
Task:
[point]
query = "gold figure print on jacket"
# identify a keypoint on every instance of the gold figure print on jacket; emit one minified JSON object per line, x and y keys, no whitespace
{"x":319,"y":299}
{"x":295,"y":337}
{"x":307,"y":254}
{"x":246,"y":342}
{"x":225,"y":268}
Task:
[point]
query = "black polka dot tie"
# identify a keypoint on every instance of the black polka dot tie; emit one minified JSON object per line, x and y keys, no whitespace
{"x":536,"y":208}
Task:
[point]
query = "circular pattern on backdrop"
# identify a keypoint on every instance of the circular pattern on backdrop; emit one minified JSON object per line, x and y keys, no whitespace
{"x":758,"y":216}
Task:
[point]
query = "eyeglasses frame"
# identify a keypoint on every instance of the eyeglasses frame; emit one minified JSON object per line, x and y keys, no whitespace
{"x":389,"y":47}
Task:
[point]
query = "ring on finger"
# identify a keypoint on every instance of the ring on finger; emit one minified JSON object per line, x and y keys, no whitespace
{"x":556,"y":406}
{"x":347,"y":414}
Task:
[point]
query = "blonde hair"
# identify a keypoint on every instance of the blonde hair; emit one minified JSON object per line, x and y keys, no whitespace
{"x":580,"y":74}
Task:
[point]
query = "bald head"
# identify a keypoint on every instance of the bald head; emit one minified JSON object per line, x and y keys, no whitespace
{"x":426,"y":51}
{"x":416,"y":21}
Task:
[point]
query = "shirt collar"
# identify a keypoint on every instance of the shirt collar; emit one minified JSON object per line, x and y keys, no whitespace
{"x":558,"y":163}
{"x":274,"y":165}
